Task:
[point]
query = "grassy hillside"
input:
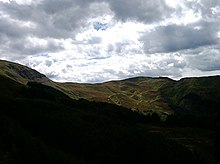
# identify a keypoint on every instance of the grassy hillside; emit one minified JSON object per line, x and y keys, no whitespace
{"x":46,"y":122}
{"x":20,"y":73}
{"x":194,"y":95}
{"x":40,"y":124}
{"x":198,"y":96}
{"x":139,"y":94}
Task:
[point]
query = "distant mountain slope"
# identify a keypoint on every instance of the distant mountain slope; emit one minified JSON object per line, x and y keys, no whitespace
{"x":139,"y":93}
{"x":189,"y":95}
{"x":197,"y":96}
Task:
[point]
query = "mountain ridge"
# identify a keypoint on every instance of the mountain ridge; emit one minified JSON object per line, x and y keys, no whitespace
{"x":141,"y":94}
{"x":139,"y":120}
{"x":21,"y":73}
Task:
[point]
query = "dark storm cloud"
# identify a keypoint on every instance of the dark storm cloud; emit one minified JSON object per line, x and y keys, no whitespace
{"x":60,"y":19}
{"x":52,"y":18}
{"x":8,"y":29}
{"x":48,"y":20}
{"x":173,"y":38}
{"x":14,"y":39}
{"x":29,"y":49}
{"x":145,"y":11}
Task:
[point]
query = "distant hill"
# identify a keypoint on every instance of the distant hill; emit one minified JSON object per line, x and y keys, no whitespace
{"x":142,"y":94}
{"x":46,"y":122}
{"x":198,"y":95}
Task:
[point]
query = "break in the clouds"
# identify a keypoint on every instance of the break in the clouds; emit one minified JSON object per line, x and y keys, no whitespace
{"x":100,"y":26}
{"x":100,"y":40}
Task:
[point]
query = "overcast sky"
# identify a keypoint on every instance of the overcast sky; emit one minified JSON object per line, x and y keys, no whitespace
{"x":101,"y":40}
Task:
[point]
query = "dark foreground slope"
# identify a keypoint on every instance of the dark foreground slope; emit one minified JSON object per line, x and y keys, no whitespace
{"x":40,"y":124}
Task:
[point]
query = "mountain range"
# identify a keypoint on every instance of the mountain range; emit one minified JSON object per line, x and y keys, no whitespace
{"x":125,"y":121}
{"x":193,"y":95}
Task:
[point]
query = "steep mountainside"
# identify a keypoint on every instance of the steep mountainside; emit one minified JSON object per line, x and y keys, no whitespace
{"x":197,"y":96}
{"x":40,"y":122}
{"x":189,"y":95}
{"x":20,"y":73}
{"x":23,"y":74}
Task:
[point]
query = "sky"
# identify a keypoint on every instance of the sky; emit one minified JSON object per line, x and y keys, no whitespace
{"x":92,"y":41}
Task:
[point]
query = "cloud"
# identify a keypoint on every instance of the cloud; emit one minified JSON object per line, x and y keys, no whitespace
{"x":103,"y":69}
{"x":204,"y":59}
{"x":173,"y":38}
{"x":100,"y":40}
{"x":28,"y":28}
{"x":208,"y":8}
{"x":95,"y":40}
{"x":54,"y":18}
{"x":145,"y":11}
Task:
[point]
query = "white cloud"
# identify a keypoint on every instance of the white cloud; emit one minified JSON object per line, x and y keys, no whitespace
{"x":5,"y":1}
{"x":100,"y":40}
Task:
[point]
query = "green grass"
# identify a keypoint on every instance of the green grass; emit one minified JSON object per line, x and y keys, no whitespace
{"x":138,"y":93}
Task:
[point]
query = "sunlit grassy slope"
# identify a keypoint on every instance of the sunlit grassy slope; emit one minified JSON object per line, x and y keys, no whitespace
{"x":140,"y":94}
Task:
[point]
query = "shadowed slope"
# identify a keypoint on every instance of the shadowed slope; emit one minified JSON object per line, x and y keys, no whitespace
{"x":197,"y":96}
